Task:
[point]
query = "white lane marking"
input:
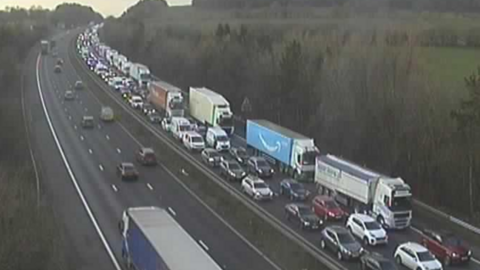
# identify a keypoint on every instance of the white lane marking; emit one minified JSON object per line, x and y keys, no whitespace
{"x":171,"y":211}
{"x":75,"y":126}
{"x":66,"y":109}
{"x":81,"y":137}
{"x":70,"y":117}
{"x":101,"y":167}
{"x":86,"y":109}
{"x":119,"y":151}
{"x":62,"y":102}
{"x":149,"y":186}
{"x":130,"y":134}
{"x":72,"y":176}
{"x":108,"y":137}
{"x":114,"y":188}
{"x":203,"y":245}
{"x":80,"y":101}
{"x":90,"y":151}
{"x":99,"y":126}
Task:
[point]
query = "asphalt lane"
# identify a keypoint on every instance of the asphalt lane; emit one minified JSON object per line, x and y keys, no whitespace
{"x":97,"y":182}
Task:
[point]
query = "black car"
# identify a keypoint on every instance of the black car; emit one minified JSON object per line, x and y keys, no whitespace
{"x":154,"y":117}
{"x":211,"y":157}
{"x":340,"y":241}
{"x":147,"y":109}
{"x":232,"y":170}
{"x":239,"y":154}
{"x":304,"y":215}
{"x":293,"y":190}
{"x":87,"y":122}
{"x":260,"y":167}
{"x":58,"y":69}
{"x":375,"y":261}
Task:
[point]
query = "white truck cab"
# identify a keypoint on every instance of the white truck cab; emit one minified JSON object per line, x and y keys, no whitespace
{"x":218,"y":139}
{"x":179,"y":126}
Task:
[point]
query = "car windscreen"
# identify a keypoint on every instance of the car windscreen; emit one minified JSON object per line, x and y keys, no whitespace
{"x":425,"y":256}
{"x":331,"y":204}
{"x":222,"y":138}
{"x":305,"y":211}
{"x":262,"y":163}
{"x":346,"y":238}
{"x":452,"y":241}
{"x":371,"y":226}
{"x":296,"y":186}
{"x":213,"y":154}
{"x":184,"y":128}
{"x":259,"y":185}
{"x":128,"y":168}
{"x":196,"y":139}
{"x":234,"y":166}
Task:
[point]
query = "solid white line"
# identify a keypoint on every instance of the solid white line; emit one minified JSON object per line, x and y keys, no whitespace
{"x":72,"y":176}
{"x":114,"y":188}
{"x":171,"y":211}
{"x":108,"y":137}
{"x":119,"y":151}
{"x":90,"y":151}
{"x":66,"y":109}
{"x":75,"y":126}
{"x":99,"y":126}
{"x":70,"y":117}
{"x":81,"y":137}
{"x":203,"y":245}
{"x":101,"y":167}
{"x":149,"y":186}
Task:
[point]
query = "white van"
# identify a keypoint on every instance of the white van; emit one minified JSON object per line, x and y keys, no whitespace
{"x":193,"y":141}
{"x":179,"y":126}
{"x":218,"y":139}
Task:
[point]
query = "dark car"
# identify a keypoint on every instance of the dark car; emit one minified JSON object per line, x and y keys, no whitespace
{"x":326,"y":208}
{"x":127,"y":170}
{"x":239,"y":154}
{"x":375,"y":261}
{"x":293,"y":190}
{"x":58,"y":69}
{"x":79,"y":85}
{"x":147,"y":109}
{"x":146,"y":156}
{"x":340,"y":241}
{"x":154,"y":117}
{"x":125,"y":93}
{"x":232,"y":170}
{"x":60,"y":61}
{"x":260,"y":167}
{"x":87,"y":122}
{"x":304,"y":215}
{"x":446,"y":247}
{"x":211,"y":157}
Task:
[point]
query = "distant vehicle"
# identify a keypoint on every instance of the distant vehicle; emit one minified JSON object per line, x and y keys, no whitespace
{"x":260,"y":167}
{"x":45,"y":47}
{"x":69,"y":95}
{"x":256,"y":188}
{"x":293,"y":190}
{"x":193,"y":141}
{"x":416,"y":257}
{"x":60,"y":61}
{"x":152,"y":239}
{"x":136,"y":102}
{"x":239,"y":154}
{"x":106,"y":114}
{"x":146,"y":156}
{"x":211,"y":157}
{"x":179,"y":127}
{"x":217,"y":138}
{"x":303,"y":215}
{"x":79,"y":85}
{"x":211,"y":108}
{"x":232,"y":170}
{"x":58,"y":69}
{"x":127,"y":170}
{"x":166,"y":98}
{"x":388,"y":198}
{"x":116,"y":83}
{"x":147,"y":109}
{"x":326,"y":208}
{"x":154,"y":117}
{"x":141,"y":74}
{"x":340,"y":241}
{"x":294,"y":152}
{"x":376,"y":261}
{"x":166,"y":124}
{"x":367,"y":229}
{"x":446,"y":247}
{"x":126,"y":94}
{"x":87,"y":122}
{"x":54,"y":53}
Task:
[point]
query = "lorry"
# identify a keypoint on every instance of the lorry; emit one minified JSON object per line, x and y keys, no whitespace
{"x":141,"y":74}
{"x":384,"y":198}
{"x":118,"y":62}
{"x":293,"y":153}
{"x":211,"y":109}
{"x":152,"y":239}
{"x":166,"y":98}
{"x":45,"y":45}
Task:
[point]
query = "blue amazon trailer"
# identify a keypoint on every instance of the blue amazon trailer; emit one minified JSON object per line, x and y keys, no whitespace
{"x":292,"y":152}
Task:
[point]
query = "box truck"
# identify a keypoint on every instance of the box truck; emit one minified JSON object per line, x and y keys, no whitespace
{"x":211,"y":109}
{"x":45,"y":45}
{"x":141,"y":74}
{"x":385,"y":198}
{"x":152,"y":239}
{"x":166,"y":98}
{"x":118,"y":61}
{"x":293,"y":153}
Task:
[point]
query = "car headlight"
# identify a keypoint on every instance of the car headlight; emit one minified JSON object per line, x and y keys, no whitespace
{"x":271,"y":170}
{"x":306,"y":223}
{"x":244,"y":173}
{"x":331,"y":214}
{"x":469,"y":253}
{"x":454,"y":254}
{"x":270,"y":194}
{"x":257,"y":193}
{"x":260,"y":171}
{"x":346,"y":251}
{"x":210,"y":159}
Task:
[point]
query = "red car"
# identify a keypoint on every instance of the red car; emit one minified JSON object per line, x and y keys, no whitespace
{"x":326,"y":207}
{"x":446,"y":247}
{"x":146,"y":156}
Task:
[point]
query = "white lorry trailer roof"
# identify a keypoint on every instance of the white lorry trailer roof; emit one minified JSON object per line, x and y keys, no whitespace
{"x":175,"y":246}
{"x":350,"y":168}
{"x":282,"y":130}
{"x":212,"y":96}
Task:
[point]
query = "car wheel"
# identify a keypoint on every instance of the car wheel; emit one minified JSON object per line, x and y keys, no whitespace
{"x":339,"y":255}
{"x":365,"y":241}
{"x":322,"y":244}
{"x":398,"y":259}
{"x":447,"y":261}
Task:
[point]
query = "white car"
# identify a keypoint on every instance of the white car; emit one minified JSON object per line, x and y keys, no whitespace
{"x":166,"y":124}
{"x":256,"y":188}
{"x":193,"y":141}
{"x":366,"y":228}
{"x":416,"y":257}
{"x":136,"y":102}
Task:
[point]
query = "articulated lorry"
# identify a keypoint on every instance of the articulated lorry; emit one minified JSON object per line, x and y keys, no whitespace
{"x":45,"y":45}
{"x":386,"y":199}
{"x":166,"y":98}
{"x":153,"y":240}
{"x":141,"y":74}
{"x":293,"y":153}
{"x":211,"y":109}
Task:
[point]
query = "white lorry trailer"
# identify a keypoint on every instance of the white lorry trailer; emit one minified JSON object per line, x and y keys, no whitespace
{"x":386,"y":199}
{"x":211,"y":109}
{"x":141,"y":74}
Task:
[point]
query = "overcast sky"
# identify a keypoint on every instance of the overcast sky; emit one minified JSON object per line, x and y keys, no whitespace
{"x":106,"y":7}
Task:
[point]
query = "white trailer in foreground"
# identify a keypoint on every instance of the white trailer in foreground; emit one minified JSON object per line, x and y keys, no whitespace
{"x":385,"y":198}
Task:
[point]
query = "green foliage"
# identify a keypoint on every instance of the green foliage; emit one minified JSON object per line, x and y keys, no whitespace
{"x":73,"y":15}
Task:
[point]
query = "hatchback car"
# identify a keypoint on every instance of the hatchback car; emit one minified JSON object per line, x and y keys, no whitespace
{"x":87,"y":122}
{"x":126,"y":171}
{"x":293,"y":190}
{"x":232,"y":170}
{"x":58,"y":69}
{"x":327,"y":208}
{"x":340,"y":241}
{"x":106,"y":114}
{"x":260,"y":167}
{"x":376,"y":261}
{"x":166,"y":124}
{"x":148,"y":109}
{"x":136,"y":102}
{"x":239,"y":154}
{"x":69,"y":95}
{"x":304,"y":215}
{"x":146,"y":156}
{"x":366,"y":228}
{"x":446,"y":247}
{"x":211,"y":157}
{"x":60,"y":61}
{"x":256,"y":188}
{"x":79,"y":85}
{"x":416,"y":257}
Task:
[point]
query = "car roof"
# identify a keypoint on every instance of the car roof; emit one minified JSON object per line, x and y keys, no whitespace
{"x":127,"y":164}
{"x":415,"y":247}
{"x":147,"y":150}
{"x":338,"y":229}
{"x":193,"y":134}
{"x":363,"y":217}
{"x":255,"y":179}
{"x":88,"y":117}
{"x":217,"y":131}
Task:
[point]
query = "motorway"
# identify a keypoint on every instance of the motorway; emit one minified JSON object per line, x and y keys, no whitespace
{"x":78,"y":174}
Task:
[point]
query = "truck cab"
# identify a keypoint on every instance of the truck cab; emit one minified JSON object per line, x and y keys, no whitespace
{"x":179,"y":126}
{"x":392,"y":203}
{"x":175,"y":104}
{"x":304,"y":153}
{"x":224,"y":117}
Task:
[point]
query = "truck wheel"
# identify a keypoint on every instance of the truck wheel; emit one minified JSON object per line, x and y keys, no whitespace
{"x":339,"y":255}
